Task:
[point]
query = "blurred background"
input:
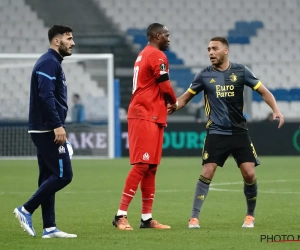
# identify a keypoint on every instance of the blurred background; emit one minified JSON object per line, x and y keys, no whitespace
{"x":263,"y":34}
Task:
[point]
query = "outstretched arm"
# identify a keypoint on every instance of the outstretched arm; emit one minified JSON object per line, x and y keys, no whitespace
{"x":181,"y":102}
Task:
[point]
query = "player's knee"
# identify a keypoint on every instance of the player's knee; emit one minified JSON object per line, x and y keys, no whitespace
{"x":66,"y":180}
{"x":249,"y":177}
{"x":139,"y":169}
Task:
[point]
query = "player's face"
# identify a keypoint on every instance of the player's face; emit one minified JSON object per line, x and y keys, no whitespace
{"x":66,"y":44}
{"x":217,"y":52}
{"x":164,"y":39}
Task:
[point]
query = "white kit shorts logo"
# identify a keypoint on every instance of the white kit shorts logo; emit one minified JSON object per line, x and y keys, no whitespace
{"x":146,"y":157}
{"x":61,"y":150}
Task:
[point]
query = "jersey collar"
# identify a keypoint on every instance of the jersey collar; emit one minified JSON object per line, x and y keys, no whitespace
{"x":58,"y":56}
{"x":229,"y":67}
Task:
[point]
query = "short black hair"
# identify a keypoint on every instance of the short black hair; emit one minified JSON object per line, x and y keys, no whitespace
{"x":221,"y":39}
{"x":76,"y":96}
{"x":58,"y":29}
{"x":153,"y":29}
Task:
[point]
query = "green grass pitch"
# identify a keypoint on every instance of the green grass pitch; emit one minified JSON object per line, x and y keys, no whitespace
{"x":86,"y":207}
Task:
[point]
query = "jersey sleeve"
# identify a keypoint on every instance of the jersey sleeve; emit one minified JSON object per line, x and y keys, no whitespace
{"x":197,"y":84}
{"x":251,"y":80}
{"x":46,"y":75}
{"x":158,"y":62}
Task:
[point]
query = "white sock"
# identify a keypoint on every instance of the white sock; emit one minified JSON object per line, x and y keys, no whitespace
{"x":24,"y":210}
{"x":146,"y":216}
{"x":121,"y":212}
{"x":49,"y":229}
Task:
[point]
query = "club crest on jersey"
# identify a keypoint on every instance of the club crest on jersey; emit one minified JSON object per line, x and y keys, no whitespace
{"x":205,"y":156}
{"x":163,"y":67}
{"x":233,"y":77}
{"x":146,"y":157}
{"x":61,"y":150}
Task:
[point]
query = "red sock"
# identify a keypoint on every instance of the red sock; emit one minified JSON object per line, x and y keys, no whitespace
{"x":132,"y":182}
{"x":148,"y":189}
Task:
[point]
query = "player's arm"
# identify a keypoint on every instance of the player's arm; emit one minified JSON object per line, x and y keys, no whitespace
{"x":195,"y":88}
{"x":184,"y":99}
{"x":270,"y":100}
{"x":167,"y":90}
{"x":46,"y":76}
{"x":159,"y":64}
{"x":268,"y":97}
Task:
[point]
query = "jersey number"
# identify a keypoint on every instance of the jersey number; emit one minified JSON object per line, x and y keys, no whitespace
{"x":135,"y":77}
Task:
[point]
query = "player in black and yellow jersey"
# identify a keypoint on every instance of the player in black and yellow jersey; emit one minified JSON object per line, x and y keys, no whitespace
{"x":227,"y":133}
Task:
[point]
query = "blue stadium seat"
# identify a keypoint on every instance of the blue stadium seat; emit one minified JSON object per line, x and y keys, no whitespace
{"x":294,"y":94}
{"x":281,"y":95}
{"x":243,"y":31}
{"x":257,"y":24}
{"x":135,"y":32}
{"x":256,"y":97}
{"x":241,"y":25}
{"x":239,"y":39}
{"x":142,"y":40}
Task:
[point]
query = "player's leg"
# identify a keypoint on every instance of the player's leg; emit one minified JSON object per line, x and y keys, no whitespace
{"x":148,"y":181}
{"x":246,"y":158}
{"x":148,"y":191}
{"x":133,"y":179}
{"x":20,"y":212}
{"x":48,"y":211}
{"x":137,"y":135}
{"x":215,"y":152}
{"x":58,"y":162}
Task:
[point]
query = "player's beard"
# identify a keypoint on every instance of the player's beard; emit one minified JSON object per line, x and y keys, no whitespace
{"x":63,"y":50}
{"x":220,"y":61}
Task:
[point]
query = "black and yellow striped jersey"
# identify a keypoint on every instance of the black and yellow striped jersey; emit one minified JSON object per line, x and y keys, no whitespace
{"x":224,"y":97}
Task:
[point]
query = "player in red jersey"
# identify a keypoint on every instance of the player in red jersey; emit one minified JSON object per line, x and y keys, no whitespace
{"x":147,"y":116}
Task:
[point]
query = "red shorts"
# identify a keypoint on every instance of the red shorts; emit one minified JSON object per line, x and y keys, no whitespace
{"x":145,"y":140}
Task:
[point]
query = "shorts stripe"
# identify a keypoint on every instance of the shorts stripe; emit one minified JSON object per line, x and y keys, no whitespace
{"x":61,"y":168}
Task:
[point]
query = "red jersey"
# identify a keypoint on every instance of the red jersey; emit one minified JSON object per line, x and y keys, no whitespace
{"x":148,"y":102}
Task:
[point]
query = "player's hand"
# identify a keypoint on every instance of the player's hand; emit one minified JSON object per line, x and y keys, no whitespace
{"x":60,"y":135}
{"x":171,"y":108}
{"x":278,"y":115}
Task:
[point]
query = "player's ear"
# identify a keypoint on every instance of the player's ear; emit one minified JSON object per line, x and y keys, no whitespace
{"x":56,"y":41}
{"x":157,"y":36}
{"x":226,"y":50}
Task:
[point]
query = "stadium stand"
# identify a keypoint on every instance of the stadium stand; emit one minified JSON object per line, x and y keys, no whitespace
{"x":261,"y":36}
{"x":23,"y":32}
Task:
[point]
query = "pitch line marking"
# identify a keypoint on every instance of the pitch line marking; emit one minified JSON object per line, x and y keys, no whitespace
{"x":241,"y":182}
{"x":178,"y":190}
{"x":264,"y":192}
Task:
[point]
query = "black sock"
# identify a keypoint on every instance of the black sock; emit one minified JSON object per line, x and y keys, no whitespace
{"x":250,"y":191}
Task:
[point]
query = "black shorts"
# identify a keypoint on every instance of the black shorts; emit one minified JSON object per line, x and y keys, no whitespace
{"x":218,"y":147}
